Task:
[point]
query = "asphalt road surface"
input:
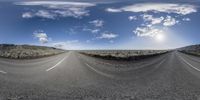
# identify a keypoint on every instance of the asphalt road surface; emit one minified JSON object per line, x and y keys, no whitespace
{"x":72,"y":76}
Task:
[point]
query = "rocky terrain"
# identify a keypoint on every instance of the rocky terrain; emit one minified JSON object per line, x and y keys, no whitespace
{"x":123,"y":54}
{"x":193,"y":50}
{"x":26,"y":51}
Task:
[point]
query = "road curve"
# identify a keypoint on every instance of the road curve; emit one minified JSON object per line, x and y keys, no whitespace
{"x":69,"y":76}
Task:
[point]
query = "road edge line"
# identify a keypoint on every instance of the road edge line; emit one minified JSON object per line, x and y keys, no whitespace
{"x":189,"y":64}
{"x":101,"y":73}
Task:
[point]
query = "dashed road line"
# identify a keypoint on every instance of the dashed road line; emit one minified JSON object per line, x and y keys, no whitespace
{"x":56,"y":64}
{"x":3,"y":72}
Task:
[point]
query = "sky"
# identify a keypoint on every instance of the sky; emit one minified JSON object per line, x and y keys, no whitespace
{"x":100,"y":24}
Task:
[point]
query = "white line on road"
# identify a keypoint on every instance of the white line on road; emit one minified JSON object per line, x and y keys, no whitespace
{"x":56,"y":64}
{"x":99,"y":72}
{"x":3,"y":72}
{"x":189,"y":64}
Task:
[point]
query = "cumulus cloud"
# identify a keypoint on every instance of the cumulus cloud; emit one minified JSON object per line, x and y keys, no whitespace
{"x":58,"y":9}
{"x":97,"y":23}
{"x":132,"y":18}
{"x":147,"y":31}
{"x":95,"y":26}
{"x":107,"y":35}
{"x":148,"y":28}
{"x":42,"y":37}
{"x":152,"y":20}
{"x":182,"y":9}
{"x":169,"y":21}
{"x":150,"y":24}
{"x":27,"y":15}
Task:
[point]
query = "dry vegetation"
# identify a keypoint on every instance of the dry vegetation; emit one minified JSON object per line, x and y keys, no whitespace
{"x":192,"y":50}
{"x":123,"y":54}
{"x":26,"y":51}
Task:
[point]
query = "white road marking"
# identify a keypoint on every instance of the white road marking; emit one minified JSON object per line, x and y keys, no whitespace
{"x":3,"y":72}
{"x":188,"y":56}
{"x":189,"y":64}
{"x":101,"y":73}
{"x":57,"y":64}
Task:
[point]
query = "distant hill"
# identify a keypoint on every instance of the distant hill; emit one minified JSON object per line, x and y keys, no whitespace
{"x":27,"y":51}
{"x":193,"y":49}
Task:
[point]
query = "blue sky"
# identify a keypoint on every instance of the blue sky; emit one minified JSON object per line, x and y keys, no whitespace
{"x":100,"y":24}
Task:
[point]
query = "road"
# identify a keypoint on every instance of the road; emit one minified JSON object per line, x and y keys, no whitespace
{"x":72,"y":76}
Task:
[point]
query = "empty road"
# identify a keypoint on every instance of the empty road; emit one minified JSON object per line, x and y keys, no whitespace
{"x":72,"y":76}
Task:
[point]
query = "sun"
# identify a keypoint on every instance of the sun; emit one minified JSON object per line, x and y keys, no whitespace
{"x":160,"y":37}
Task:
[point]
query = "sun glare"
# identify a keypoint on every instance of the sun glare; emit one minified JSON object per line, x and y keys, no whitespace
{"x":160,"y":37}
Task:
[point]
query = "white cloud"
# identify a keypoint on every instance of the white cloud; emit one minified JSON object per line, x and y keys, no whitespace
{"x":59,"y":8}
{"x":42,"y":37}
{"x":147,"y":31}
{"x":40,"y":13}
{"x":182,"y":9}
{"x":113,"y":10}
{"x":132,"y":18}
{"x":149,"y":27}
{"x":95,"y":30}
{"x":152,"y":19}
{"x":56,"y":4}
{"x":45,"y":14}
{"x":169,"y":21}
{"x":27,"y":15}
{"x":73,"y":12}
{"x":107,"y":35}
{"x":97,"y":23}
{"x":91,"y":30}
{"x":186,"y":19}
